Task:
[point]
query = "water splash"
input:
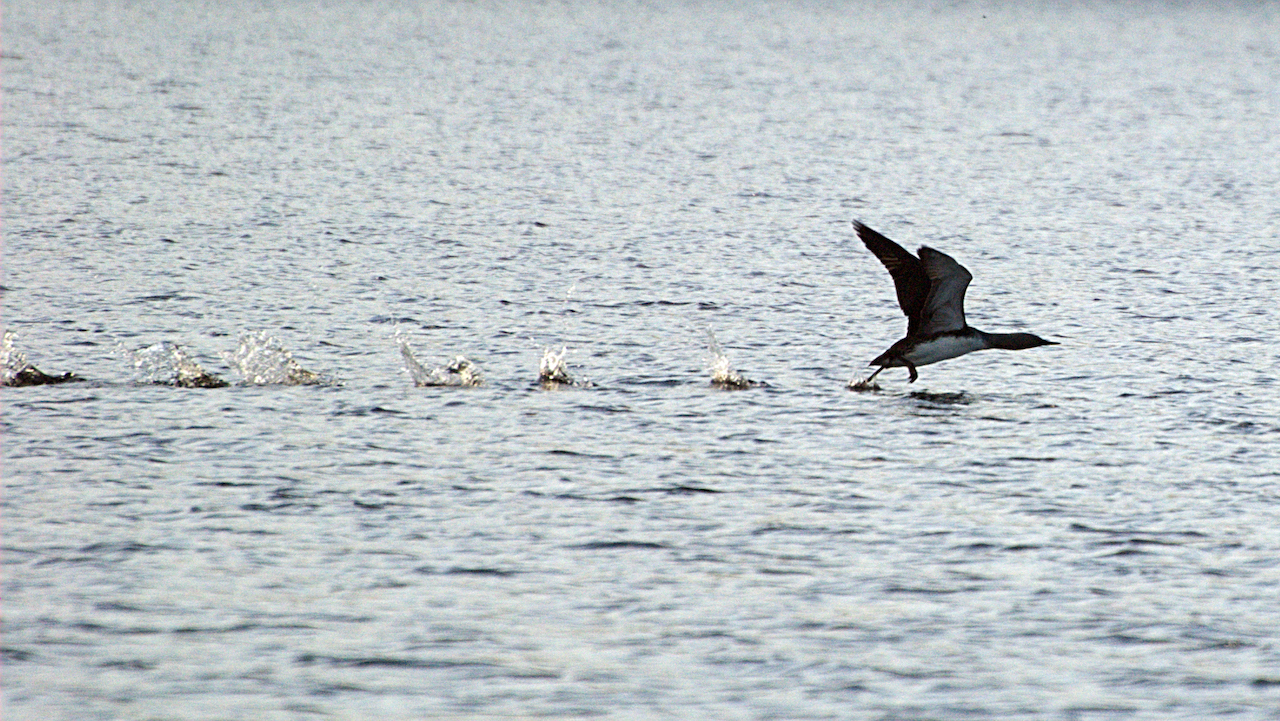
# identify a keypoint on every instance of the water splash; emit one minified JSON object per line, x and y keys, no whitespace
{"x":168,"y":363}
{"x":458,"y":372}
{"x":866,"y":384}
{"x":722,"y":374}
{"x":12,"y":357}
{"x":415,"y":370}
{"x":553,"y":372}
{"x":16,"y":370}
{"x":15,"y":361}
{"x":263,"y":360}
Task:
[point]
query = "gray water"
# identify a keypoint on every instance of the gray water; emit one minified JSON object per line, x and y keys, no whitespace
{"x":1082,"y":531}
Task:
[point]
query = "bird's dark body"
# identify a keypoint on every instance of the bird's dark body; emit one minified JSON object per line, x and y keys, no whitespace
{"x":931,"y":291}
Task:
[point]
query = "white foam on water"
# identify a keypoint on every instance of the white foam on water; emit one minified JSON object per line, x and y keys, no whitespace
{"x":552,"y":369}
{"x":722,"y":373}
{"x":458,"y":372}
{"x":167,"y":363}
{"x":13,"y":360}
{"x":263,"y":360}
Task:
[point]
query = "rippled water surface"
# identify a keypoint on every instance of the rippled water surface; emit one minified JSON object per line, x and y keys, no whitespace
{"x":1082,"y":531}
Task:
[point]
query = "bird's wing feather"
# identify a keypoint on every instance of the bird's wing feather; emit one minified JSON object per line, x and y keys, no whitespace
{"x":909,"y":277}
{"x":944,"y":307}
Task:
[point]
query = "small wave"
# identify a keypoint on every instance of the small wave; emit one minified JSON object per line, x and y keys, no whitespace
{"x":263,"y":360}
{"x":168,"y":363}
{"x":947,"y":399}
{"x":615,"y":545}
{"x":308,"y":659}
{"x":458,"y":372}
{"x":16,"y":370}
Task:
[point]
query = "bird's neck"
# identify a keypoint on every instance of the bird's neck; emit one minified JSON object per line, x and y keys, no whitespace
{"x":1010,"y":341}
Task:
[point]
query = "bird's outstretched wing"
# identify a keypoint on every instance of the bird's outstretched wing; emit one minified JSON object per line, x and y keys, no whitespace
{"x":909,"y":276}
{"x":944,"y":307}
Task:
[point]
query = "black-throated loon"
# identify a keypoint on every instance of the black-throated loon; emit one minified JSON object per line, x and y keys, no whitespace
{"x":931,"y":293}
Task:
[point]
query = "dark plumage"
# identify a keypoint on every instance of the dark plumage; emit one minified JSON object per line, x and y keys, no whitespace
{"x":931,"y":293}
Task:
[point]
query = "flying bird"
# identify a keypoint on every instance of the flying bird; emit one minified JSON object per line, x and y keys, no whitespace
{"x":931,"y":292}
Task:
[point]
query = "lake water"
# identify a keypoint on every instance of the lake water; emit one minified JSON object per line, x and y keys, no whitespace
{"x":1082,"y":531}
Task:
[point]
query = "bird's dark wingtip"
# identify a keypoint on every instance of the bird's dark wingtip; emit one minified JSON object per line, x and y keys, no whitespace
{"x":865,"y":233}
